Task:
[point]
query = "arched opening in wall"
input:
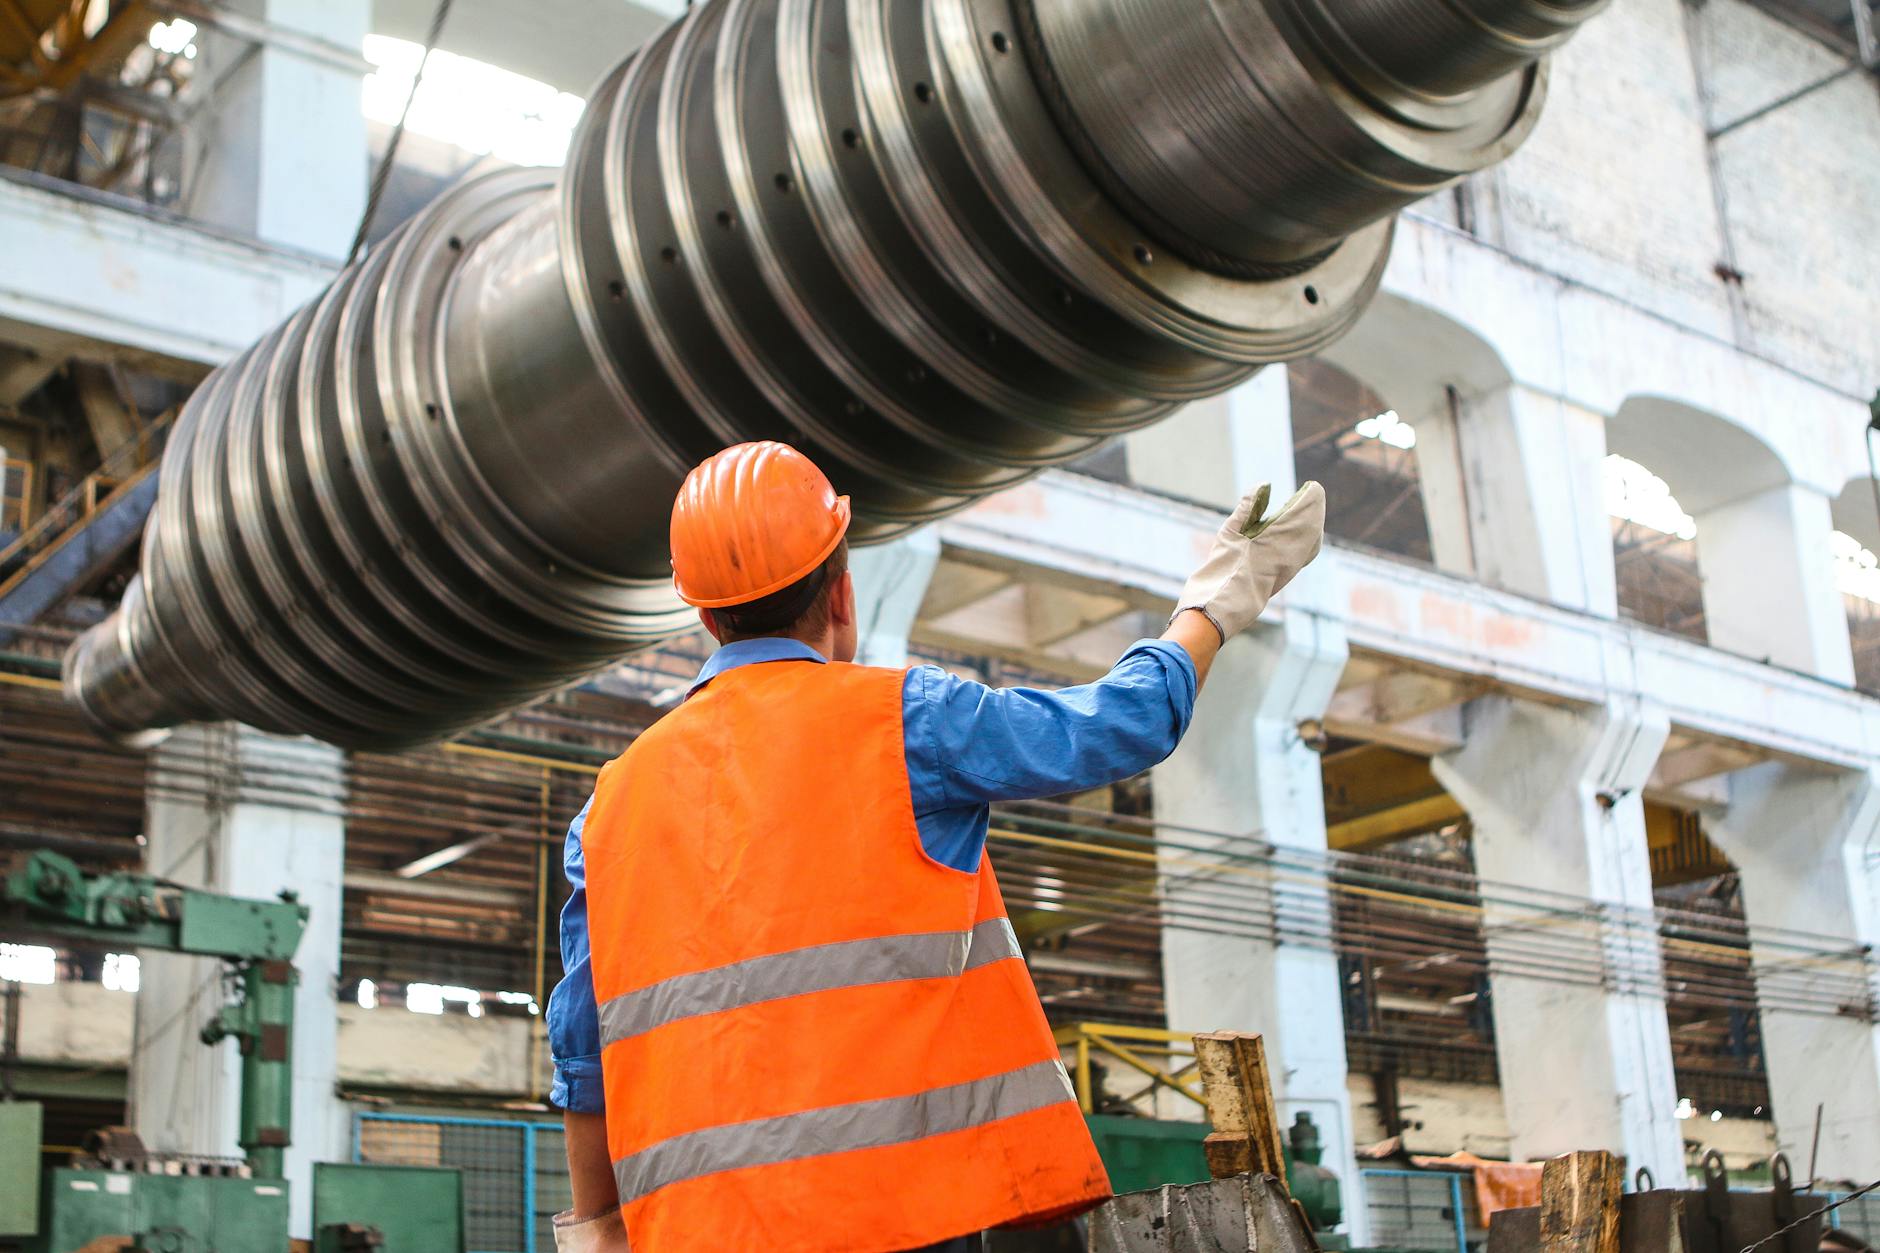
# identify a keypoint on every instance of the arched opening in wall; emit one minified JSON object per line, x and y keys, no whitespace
{"x":1857,"y":571}
{"x":1407,"y":917}
{"x":1654,"y":551}
{"x":1673,"y":465}
{"x":1710,"y":985}
{"x":1856,"y":547}
{"x":1352,"y":440}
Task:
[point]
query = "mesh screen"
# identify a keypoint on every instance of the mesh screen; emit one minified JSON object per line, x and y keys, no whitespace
{"x":1412,"y":1211}
{"x":500,"y":1203}
{"x":1861,"y":1217}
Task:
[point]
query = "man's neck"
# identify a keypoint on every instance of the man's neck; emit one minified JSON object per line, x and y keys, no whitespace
{"x":823,"y":643}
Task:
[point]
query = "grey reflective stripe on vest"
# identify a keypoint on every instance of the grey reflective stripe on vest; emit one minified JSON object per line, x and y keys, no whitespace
{"x":820,"y":968}
{"x":842,"y":1128}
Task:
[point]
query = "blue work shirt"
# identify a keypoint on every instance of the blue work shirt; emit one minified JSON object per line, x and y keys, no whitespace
{"x":967,"y":746}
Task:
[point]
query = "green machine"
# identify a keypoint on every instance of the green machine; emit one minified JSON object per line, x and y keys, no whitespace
{"x":172,"y":1204}
{"x":1143,"y":1153}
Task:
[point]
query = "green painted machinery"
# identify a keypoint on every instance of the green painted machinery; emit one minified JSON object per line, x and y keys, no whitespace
{"x":165,"y":1213}
{"x":180,"y":1205}
{"x":50,"y":897}
{"x":1143,"y":1153}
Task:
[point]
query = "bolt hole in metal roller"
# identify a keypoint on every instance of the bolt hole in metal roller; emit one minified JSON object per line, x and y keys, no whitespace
{"x":938,"y":244}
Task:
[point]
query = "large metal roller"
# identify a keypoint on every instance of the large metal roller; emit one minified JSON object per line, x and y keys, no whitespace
{"x":938,"y":244}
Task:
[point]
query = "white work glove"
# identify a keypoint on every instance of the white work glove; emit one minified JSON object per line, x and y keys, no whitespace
{"x":606,"y":1234}
{"x":1254,"y":556}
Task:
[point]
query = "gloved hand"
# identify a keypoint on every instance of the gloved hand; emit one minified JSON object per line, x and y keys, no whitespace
{"x":1254,"y":556}
{"x":606,"y":1234}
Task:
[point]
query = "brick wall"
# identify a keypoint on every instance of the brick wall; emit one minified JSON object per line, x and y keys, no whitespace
{"x":1616,"y":187}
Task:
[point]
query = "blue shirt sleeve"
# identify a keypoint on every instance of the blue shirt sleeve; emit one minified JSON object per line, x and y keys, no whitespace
{"x":574,"y":1029}
{"x":969,"y":745}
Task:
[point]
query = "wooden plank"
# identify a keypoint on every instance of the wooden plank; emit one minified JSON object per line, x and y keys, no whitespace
{"x":1239,"y":1092}
{"x":1580,"y":1202}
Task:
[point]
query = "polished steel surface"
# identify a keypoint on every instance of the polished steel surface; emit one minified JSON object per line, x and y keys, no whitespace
{"x":937,"y":244}
{"x":1255,"y":135}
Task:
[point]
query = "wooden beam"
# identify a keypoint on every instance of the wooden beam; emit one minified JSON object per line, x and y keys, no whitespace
{"x":1412,"y":818}
{"x":1580,"y":1202}
{"x":1240,"y":1105}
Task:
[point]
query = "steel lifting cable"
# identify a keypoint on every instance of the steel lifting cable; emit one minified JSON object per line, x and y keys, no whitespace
{"x":1265,"y":874}
{"x":383,"y":175}
{"x":1284,"y":895}
{"x":1217,"y":906}
{"x":1810,"y":1217}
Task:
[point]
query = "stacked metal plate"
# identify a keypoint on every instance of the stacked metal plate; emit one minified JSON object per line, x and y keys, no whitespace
{"x":937,"y":244}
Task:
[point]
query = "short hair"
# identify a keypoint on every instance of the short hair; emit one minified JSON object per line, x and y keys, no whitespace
{"x":801,"y":609}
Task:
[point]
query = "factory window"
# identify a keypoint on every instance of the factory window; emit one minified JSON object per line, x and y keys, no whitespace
{"x":472,"y":105}
{"x":1857,"y":573}
{"x":1654,"y":551}
{"x":28,"y":963}
{"x":1350,"y":438}
{"x":122,"y":972}
{"x":16,"y":485}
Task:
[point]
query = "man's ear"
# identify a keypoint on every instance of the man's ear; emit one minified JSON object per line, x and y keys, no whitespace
{"x":842,"y":600}
{"x":706,"y":617}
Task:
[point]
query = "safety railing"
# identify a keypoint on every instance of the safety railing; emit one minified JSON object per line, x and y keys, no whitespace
{"x":1859,"y":1217}
{"x":515,"y":1177}
{"x":1418,"y":1210}
{"x":1147,"y":1050}
{"x":127,"y":464}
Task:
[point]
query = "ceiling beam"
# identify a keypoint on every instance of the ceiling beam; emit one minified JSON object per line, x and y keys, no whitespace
{"x":1407,"y":709}
{"x":1055,"y":614}
{"x":1430,"y":813}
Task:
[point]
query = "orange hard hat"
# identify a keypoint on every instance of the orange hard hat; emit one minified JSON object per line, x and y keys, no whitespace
{"x":750,"y":521}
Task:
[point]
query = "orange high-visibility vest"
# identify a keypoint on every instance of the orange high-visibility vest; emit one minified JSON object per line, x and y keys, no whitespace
{"x":814,"y":1036}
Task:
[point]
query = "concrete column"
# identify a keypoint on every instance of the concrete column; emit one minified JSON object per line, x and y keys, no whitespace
{"x":289,"y":157}
{"x":1807,"y":845}
{"x":1244,"y":770}
{"x":235,"y":811}
{"x":1443,"y":488}
{"x":1531,"y":487}
{"x":1216,"y":449}
{"x":890,"y":583}
{"x":1553,"y":795}
{"x":1769,"y":587}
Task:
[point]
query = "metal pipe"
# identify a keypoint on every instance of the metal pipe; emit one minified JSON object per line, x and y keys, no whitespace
{"x":938,"y":244}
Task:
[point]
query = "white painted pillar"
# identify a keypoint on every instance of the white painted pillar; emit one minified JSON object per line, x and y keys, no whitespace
{"x":1769,"y":586}
{"x":1444,"y":492}
{"x":1214,"y":450}
{"x":1244,"y":770}
{"x":890,"y":583}
{"x":1554,"y":798}
{"x":1807,"y":845}
{"x":289,"y":160}
{"x":1531,"y":486}
{"x":232,"y":810}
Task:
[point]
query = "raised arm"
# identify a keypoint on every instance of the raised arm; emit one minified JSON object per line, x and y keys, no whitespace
{"x":976,"y":744}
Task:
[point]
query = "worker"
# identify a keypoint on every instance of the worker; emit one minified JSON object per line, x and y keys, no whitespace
{"x":795,"y":1015}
